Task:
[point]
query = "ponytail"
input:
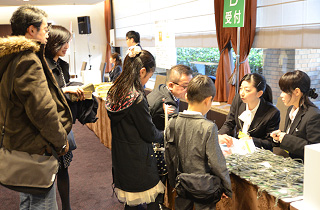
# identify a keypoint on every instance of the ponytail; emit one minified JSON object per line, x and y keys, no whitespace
{"x":267,"y":94}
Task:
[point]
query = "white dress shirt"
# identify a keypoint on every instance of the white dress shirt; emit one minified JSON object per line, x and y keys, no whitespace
{"x":247,"y":117}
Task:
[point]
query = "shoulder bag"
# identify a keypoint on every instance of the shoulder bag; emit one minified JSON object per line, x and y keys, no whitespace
{"x":22,"y":172}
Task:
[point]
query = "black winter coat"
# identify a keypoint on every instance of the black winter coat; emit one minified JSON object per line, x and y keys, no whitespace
{"x":134,"y":165}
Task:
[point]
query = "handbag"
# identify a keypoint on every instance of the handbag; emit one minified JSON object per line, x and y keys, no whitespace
{"x":200,"y":188}
{"x":21,"y":171}
{"x":161,"y":163}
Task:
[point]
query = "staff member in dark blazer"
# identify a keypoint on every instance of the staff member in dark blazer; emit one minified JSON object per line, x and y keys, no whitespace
{"x":252,"y":113}
{"x":302,"y":125}
{"x":117,"y":66}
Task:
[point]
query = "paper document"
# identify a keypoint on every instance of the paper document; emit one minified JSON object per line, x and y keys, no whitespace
{"x":240,"y":146}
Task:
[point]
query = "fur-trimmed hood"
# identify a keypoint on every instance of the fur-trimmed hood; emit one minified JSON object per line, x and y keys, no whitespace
{"x":16,"y":44}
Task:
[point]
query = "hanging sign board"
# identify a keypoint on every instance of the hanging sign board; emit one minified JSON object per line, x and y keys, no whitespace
{"x":233,"y":13}
{"x":165,"y":44}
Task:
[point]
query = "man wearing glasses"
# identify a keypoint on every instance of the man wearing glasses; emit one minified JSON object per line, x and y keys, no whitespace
{"x":37,"y":112}
{"x":170,"y":93}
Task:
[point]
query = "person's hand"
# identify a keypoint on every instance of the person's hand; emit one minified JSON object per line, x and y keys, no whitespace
{"x":78,"y":91}
{"x":225,"y":139}
{"x":224,"y":196}
{"x":65,"y":150}
{"x":170,"y":109}
{"x":277,"y":135}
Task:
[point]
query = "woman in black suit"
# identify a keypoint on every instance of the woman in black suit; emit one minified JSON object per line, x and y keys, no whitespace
{"x":117,"y":66}
{"x":302,"y":125}
{"x":252,"y":113}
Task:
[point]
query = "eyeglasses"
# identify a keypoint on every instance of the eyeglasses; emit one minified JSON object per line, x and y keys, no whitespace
{"x":183,"y":86}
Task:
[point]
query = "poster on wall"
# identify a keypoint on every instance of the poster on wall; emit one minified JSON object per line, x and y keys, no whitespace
{"x":166,"y":55}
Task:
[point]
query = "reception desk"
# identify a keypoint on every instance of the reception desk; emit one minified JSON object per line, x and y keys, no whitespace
{"x":102,"y":127}
{"x":245,"y":197}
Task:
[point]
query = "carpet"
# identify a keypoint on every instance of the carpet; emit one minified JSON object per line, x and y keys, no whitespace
{"x":90,"y":176}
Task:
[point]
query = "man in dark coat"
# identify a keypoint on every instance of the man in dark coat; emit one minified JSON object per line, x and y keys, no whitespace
{"x":170,"y":93}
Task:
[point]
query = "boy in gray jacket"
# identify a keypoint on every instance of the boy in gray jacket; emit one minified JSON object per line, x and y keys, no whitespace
{"x":197,"y":138}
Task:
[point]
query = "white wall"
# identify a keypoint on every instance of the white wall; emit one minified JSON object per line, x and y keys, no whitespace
{"x":288,"y":24}
{"x":192,"y":18}
{"x":280,"y":23}
{"x":67,"y":14}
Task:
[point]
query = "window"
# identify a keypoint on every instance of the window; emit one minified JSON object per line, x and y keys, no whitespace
{"x":201,"y":60}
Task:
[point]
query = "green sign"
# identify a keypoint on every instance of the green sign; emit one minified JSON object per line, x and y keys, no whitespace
{"x":233,"y":13}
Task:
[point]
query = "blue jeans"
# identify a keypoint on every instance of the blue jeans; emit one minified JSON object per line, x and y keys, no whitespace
{"x":39,"y":202}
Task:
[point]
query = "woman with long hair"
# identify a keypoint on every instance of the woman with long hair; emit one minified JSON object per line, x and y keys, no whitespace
{"x":134,"y":165}
{"x":57,"y":46}
{"x":252,"y":113}
{"x":303,"y":117}
{"x":115,"y":60}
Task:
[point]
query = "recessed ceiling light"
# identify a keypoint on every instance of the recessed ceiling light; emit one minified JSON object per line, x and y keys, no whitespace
{"x":25,"y":0}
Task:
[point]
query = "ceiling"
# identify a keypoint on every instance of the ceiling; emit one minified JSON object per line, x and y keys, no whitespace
{"x":48,"y":2}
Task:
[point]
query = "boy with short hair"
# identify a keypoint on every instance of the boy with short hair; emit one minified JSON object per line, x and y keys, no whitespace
{"x":197,"y":139}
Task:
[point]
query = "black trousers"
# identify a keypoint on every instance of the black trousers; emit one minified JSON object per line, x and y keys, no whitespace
{"x":185,"y":204}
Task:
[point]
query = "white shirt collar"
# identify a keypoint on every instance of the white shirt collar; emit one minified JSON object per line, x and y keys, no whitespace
{"x":191,"y":112}
{"x":293,"y":113}
{"x":254,"y":110}
{"x":247,"y":117}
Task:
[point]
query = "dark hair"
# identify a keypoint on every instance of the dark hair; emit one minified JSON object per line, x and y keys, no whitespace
{"x":24,"y":17}
{"x":259,"y":82}
{"x":133,"y":34}
{"x":58,"y":36}
{"x":298,"y":79}
{"x":177,"y":71}
{"x":118,"y":59}
{"x":130,"y":76}
{"x":200,"y":88}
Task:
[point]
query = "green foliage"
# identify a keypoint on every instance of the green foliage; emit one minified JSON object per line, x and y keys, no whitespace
{"x":256,"y":60}
{"x":187,"y":55}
